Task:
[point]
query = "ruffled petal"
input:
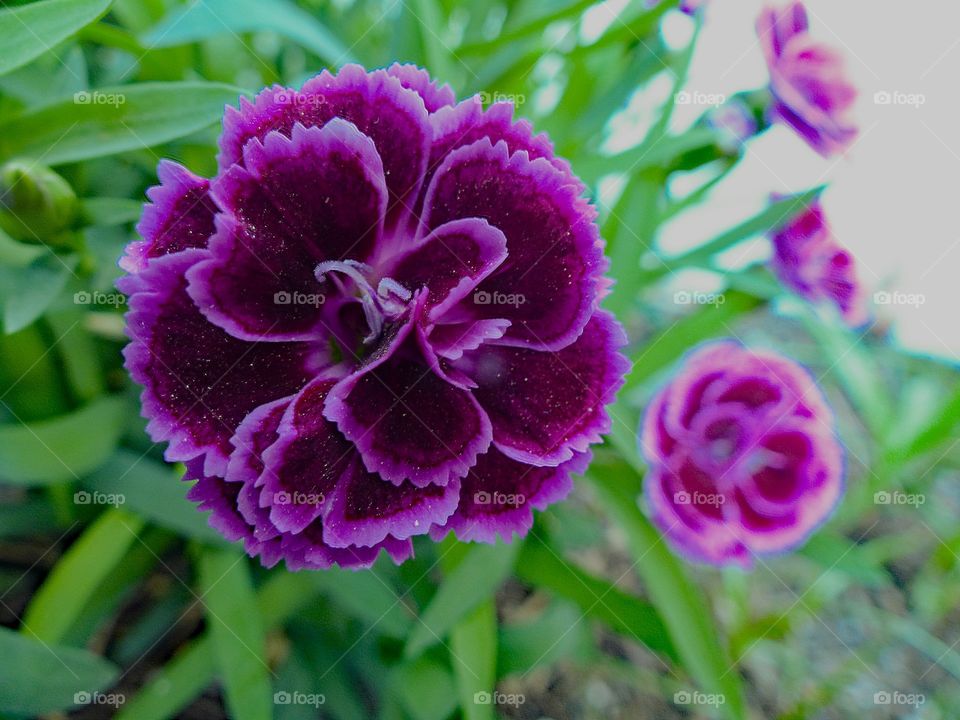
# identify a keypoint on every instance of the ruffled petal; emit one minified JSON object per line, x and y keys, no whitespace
{"x":317,"y":196}
{"x":499,"y":494}
{"x":407,"y":421}
{"x":199,"y":382}
{"x":450,"y":261}
{"x":304,"y":465}
{"x":307,"y":551}
{"x":434,"y":96}
{"x":549,"y":284}
{"x":365,"y":509}
{"x":394,"y":117}
{"x":179,"y":216}
{"x":452,"y":340}
{"x":546,"y":406}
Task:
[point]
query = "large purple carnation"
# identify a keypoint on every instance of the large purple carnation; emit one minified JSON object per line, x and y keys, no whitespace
{"x":810,"y":91}
{"x":742,"y":453}
{"x":379,"y":320}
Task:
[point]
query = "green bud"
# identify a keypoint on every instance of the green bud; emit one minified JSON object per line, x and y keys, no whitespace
{"x":36,"y":204}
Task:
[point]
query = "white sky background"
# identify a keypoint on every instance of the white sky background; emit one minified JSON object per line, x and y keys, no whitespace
{"x":894,"y":198}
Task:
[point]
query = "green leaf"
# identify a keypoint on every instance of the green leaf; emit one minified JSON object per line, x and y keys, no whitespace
{"x":64,"y":448}
{"x":31,"y":30}
{"x":192,"y":670}
{"x":473,"y":654}
{"x":40,"y":678}
{"x":425,"y":689}
{"x":153,"y":490}
{"x":367,"y":597}
{"x":941,"y":427}
{"x":474,"y":579}
{"x":27,"y":292}
{"x":541,"y":566}
{"x":765,"y":221}
{"x":556,"y":634}
{"x":680,"y":603}
{"x":78,"y":574}
{"x":237,"y":633}
{"x":110,"y":211}
{"x":207,"y":18}
{"x":112,"y":120}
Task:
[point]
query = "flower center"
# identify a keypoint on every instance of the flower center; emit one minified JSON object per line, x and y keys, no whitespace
{"x":388,"y":303}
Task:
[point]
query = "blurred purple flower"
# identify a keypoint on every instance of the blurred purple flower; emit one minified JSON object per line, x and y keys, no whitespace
{"x":742,"y":453}
{"x":809,"y":261}
{"x":734,"y":123}
{"x":379,"y":320}
{"x":810,"y":91}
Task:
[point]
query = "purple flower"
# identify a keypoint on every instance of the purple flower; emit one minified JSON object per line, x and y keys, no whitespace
{"x":809,"y":261}
{"x":379,"y":320}
{"x":742,"y":453}
{"x":810,"y":91}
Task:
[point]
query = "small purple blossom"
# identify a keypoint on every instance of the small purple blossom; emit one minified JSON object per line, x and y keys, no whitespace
{"x":742,"y":453}
{"x":809,"y":261}
{"x":734,"y":123}
{"x":378,"y":320}
{"x":810,"y":91}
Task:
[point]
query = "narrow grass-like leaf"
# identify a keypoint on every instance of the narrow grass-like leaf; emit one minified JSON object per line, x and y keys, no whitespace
{"x":31,"y":30}
{"x":541,"y":566}
{"x":474,"y":579}
{"x":113,"y":120}
{"x":154,"y":491}
{"x":78,"y":574}
{"x":680,"y":603}
{"x":63,"y":448}
{"x":238,"y":634}
{"x":473,"y":654}
{"x":207,"y":18}
{"x":110,"y":211}
{"x":27,"y":292}
{"x":39,"y":678}
{"x":193,"y":669}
